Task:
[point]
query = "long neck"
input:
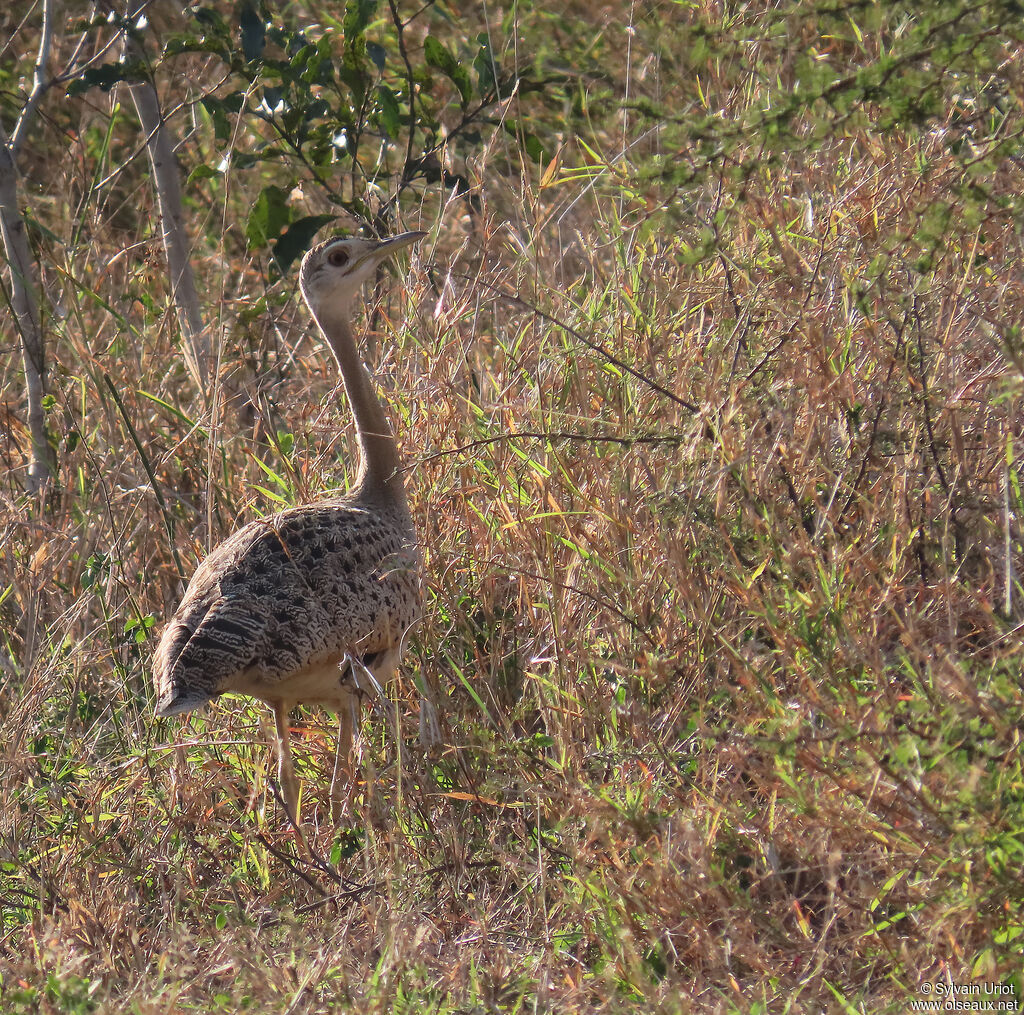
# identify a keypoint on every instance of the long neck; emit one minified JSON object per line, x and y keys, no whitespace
{"x":380,"y":474}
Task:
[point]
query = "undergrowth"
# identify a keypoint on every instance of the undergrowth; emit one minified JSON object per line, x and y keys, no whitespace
{"x":718,"y":494}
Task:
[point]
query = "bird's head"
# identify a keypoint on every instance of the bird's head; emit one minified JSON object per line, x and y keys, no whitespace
{"x":333,"y":271}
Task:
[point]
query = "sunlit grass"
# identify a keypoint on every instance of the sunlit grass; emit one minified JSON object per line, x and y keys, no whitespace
{"x":721,"y":543}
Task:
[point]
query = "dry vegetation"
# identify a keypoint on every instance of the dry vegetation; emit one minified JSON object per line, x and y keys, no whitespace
{"x":726,"y":665}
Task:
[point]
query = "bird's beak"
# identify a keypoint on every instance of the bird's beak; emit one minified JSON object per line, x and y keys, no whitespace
{"x":393,"y":243}
{"x":387,"y":247}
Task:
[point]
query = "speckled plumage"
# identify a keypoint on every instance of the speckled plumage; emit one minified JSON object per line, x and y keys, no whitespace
{"x":306,"y":605}
{"x":290,"y":598}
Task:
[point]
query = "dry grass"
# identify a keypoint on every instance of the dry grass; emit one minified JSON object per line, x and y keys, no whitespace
{"x":730,"y":698}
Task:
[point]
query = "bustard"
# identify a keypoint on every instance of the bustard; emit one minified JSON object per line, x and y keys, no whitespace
{"x":312,"y":603}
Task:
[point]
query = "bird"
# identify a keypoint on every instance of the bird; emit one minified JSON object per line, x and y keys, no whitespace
{"x":310,"y":605}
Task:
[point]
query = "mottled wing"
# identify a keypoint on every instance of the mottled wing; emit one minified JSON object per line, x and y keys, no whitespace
{"x":300,"y":588}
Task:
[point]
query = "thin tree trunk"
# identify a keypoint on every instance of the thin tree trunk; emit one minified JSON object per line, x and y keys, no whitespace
{"x":26,"y":315}
{"x":167,"y":180}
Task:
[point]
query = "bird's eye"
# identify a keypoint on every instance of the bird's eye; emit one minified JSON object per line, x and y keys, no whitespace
{"x":338,"y":257}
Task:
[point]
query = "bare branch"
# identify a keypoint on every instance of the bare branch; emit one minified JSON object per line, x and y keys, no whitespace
{"x":554,"y":437}
{"x":40,"y":82}
{"x":597,"y":347}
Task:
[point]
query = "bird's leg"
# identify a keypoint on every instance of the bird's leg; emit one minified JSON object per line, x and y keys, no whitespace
{"x":179,"y":772}
{"x":285,"y":770}
{"x":343,"y":755}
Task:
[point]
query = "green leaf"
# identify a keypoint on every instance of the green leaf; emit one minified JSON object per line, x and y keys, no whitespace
{"x":173,"y":410}
{"x":285,"y":442}
{"x":357,"y":16}
{"x":254,"y":33}
{"x":484,"y":67}
{"x":104,"y":77}
{"x":389,"y":115}
{"x":269,"y":216}
{"x":210,"y":20}
{"x":377,"y":53}
{"x":271,"y":494}
{"x":316,"y":110}
{"x":270,"y":473}
{"x":178,"y":44}
{"x":200,"y":173}
{"x":218,"y":110}
{"x":439,"y":57}
{"x":530,"y":142}
{"x":295,"y":240}
{"x":534,"y":148}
